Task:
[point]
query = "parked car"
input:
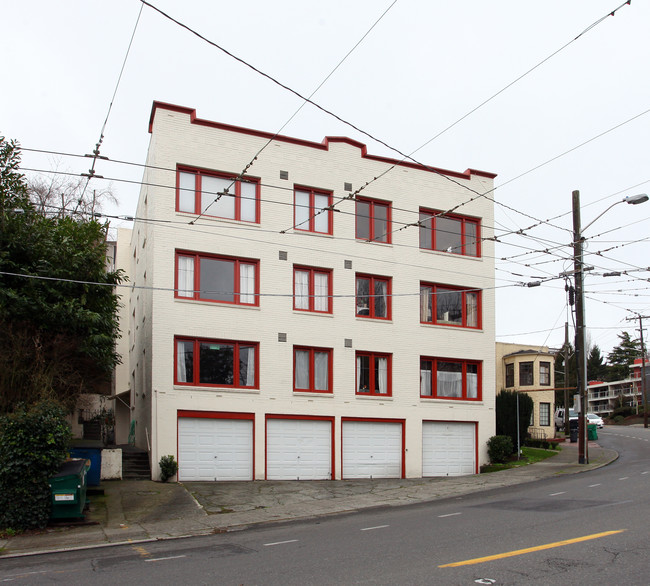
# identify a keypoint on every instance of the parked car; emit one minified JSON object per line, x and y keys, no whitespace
{"x":593,"y":418}
{"x":559,"y":417}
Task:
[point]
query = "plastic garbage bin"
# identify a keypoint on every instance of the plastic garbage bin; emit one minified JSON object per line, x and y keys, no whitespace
{"x":592,"y":433}
{"x":68,"y":489}
{"x":95,"y":457}
{"x":573,"y":431}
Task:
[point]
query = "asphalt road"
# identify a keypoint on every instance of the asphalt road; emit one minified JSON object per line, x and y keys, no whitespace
{"x":590,"y":528}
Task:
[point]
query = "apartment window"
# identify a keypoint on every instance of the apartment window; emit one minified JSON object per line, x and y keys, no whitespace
{"x":217,"y":278}
{"x":454,"y":234}
{"x":545,"y":374}
{"x":312,"y":370}
{"x":525,"y":374}
{"x":373,"y":374}
{"x":510,"y":375}
{"x":450,"y":306}
{"x":312,"y":289}
{"x":222,"y":363}
{"x":443,"y":378}
{"x":373,"y":220}
{"x":373,"y":295}
{"x":545,"y":414}
{"x":312,"y":211}
{"x":218,"y":195}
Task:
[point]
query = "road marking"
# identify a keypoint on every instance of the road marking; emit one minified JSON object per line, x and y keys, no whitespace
{"x":141,"y":550}
{"x":171,"y":557}
{"x":449,"y":515}
{"x":510,"y":554}
{"x":377,"y":527}
{"x":624,"y":478}
{"x":644,"y":472}
{"x":594,"y":485}
{"x":280,"y":542}
{"x":557,"y":493}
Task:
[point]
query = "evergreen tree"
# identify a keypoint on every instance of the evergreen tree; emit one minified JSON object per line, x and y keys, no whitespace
{"x":596,"y":368}
{"x":622,"y":356}
{"x":506,"y":415}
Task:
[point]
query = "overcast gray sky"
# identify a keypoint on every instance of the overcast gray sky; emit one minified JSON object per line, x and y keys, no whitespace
{"x":422,"y":67}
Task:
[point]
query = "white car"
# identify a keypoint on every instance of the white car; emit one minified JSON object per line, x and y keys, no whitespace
{"x":593,"y":418}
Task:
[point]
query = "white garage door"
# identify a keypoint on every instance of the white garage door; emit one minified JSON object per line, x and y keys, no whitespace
{"x":215,"y":449}
{"x":298,"y":449}
{"x":372,"y":449}
{"x":448,"y":448}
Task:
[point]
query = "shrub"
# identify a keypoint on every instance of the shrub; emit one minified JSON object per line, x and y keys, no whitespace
{"x":499,"y":448}
{"x":168,"y":467}
{"x":33,"y":444}
{"x":618,"y":419}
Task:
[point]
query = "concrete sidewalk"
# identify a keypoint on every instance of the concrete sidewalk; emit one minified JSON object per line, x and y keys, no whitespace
{"x":132,"y":511}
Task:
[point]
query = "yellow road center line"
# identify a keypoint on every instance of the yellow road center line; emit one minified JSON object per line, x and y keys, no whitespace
{"x":510,"y":554}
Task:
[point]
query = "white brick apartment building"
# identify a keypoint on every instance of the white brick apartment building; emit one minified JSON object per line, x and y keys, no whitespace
{"x":295,"y":332}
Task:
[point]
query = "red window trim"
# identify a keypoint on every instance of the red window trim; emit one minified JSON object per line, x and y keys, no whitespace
{"x":199,"y":173}
{"x":302,"y":418}
{"x":463,"y":290}
{"x":371,"y":224}
{"x":378,"y":420}
{"x":197,"y":256}
{"x":479,"y":383}
{"x":371,"y":309}
{"x":373,"y":384}
{"x":312,"y":211}
{"x":312,"y":372}
{"x":312,"y":271}
{"x":196,"y":363}
{"x":464,"y":220}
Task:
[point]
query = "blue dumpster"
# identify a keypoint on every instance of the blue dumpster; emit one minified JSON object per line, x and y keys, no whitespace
{"x":95,"y":457}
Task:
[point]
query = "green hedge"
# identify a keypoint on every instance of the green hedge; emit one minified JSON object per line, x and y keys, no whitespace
{"x":33,"y":444}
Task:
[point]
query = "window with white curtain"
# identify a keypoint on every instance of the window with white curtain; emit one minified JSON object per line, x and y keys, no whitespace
{"x":312,"y":211}
{"x":213,"y":278}
{"x":442,"y":378}
{"x":312,"y":289}
{"x":312,"y":369}
{"x":222,"y":363}
{"x":217,"y":195}
{"x":450,"y":306}
{"x":373,"y":374}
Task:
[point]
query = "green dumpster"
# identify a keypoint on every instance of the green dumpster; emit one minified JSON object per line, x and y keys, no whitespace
{"x":68,"y":489}
{"x":592,"y":433}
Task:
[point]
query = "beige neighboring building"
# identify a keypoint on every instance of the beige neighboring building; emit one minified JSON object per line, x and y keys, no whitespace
{"x":297,"y":322}
{"x":529,"y":370}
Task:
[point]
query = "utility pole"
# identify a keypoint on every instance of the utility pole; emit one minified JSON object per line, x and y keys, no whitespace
{"x":581,"y":353}
{"x":644,"y":390}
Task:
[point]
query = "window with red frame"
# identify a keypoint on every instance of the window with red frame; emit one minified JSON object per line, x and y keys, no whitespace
{"x":218,"y":363}
{"x":443,"y":378}
{"x":312,"y":211}
{"x":217,"y":278}
{"x":312,"y":289}
{"x":373,"y":297}
{"x":454,"y":234}
{"x":312,"y":369}
{"x":218,"y":195}
{"x":374,"y":374}
{"x":373,"y":220}
{"x":450,"y":306}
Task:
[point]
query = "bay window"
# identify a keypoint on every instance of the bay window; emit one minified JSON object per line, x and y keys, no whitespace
{"x":217,"y":278}
{"x":443,"y":378}
{"x":222,"y":363}
{"x":218,"y":195}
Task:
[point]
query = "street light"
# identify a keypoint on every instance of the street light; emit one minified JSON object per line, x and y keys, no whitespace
{"x":581,"y":351}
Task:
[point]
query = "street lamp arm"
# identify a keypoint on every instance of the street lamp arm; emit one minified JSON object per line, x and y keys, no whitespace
{"x":630,"y":199}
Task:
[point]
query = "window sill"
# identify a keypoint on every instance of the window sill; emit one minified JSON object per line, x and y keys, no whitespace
{"x":216,"y":303}
{"x":311,"y":394}
{"x":451,"y":327}
{"x":450,"y":401}
{"x":194,"y":216}
{"x":374,"y":320}
{"x":226,"y":390}
{"x":374,"y":397}
{"x":450,"y":254}
{"x":313,"y":313}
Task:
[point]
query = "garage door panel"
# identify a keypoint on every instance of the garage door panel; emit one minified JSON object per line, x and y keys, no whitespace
{"x":448,"y":448}
{"x":298,"y":449}
{"x":372,"y":449}
{"x":215,"y":449}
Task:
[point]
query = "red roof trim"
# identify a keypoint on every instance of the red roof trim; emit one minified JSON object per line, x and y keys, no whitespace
{"x":324,"y":145}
